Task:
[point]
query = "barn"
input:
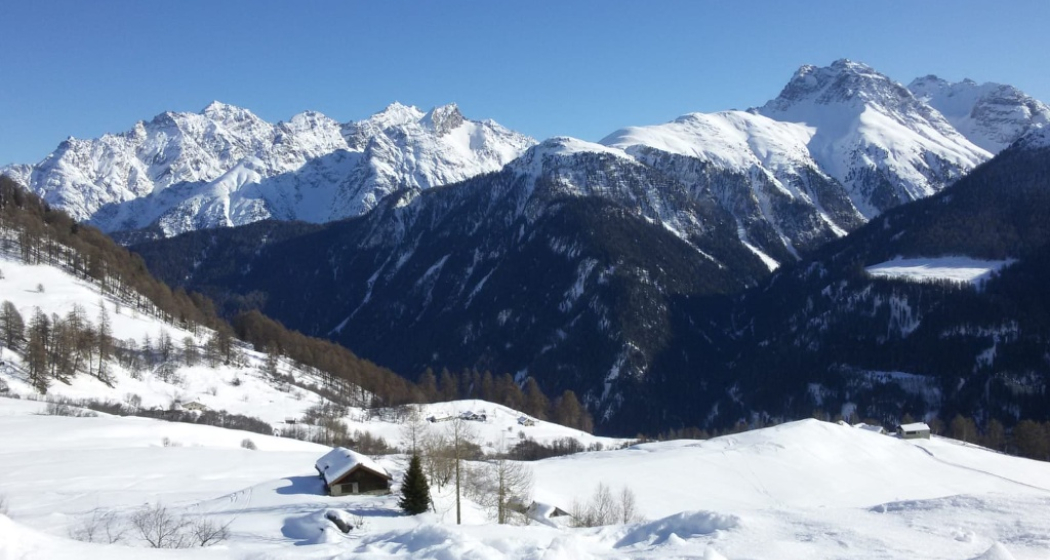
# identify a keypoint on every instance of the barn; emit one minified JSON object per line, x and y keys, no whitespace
{"x":915,"y":430}
{"x":347,"y":472}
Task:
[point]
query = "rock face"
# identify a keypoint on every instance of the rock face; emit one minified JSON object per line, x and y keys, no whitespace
{"x":225,"y":166}
{"x":991,"y":115}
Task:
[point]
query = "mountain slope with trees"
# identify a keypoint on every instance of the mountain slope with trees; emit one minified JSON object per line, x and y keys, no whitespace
{"x":825,"y":335}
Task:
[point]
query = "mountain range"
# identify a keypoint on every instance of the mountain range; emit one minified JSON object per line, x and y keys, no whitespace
{"x":646,"y":272}
{"x":226,"y":167}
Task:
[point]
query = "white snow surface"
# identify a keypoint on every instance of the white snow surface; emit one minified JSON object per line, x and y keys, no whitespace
{"x":730,"y":139}
{"x":957,"y":269}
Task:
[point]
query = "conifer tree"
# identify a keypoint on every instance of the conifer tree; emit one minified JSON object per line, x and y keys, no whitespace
{"x":415,"y":490}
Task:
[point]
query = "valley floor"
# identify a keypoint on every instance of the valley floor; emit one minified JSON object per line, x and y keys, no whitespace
{"x":806,"y":489}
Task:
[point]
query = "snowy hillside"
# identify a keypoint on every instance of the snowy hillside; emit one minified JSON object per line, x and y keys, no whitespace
{"x":991,"y":115}
{"x":243,"y":388}
{"x":225,"y":166}
{"x":802,"y":490}
{"x":873,"y":135}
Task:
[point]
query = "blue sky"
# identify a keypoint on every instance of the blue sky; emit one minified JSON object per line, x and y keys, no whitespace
{"x":578,"y":68}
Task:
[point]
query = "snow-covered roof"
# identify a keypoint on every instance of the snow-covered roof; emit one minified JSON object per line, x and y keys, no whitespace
{"x":341,"y":461}
{"x":915,"y":427}
{"x":540,"y":509}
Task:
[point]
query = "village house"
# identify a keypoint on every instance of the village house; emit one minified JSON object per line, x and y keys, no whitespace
{"x":347,"y":472}
{"x":915,"y":430}
{"x":195,"y":406}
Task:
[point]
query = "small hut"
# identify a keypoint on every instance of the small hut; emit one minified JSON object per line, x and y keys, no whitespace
{"x":347,"y":472}
{"x":915,"y":430}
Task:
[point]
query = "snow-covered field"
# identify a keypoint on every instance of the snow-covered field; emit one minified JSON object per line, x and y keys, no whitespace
{"x":956,"y":269}
{"x":807,"y":489}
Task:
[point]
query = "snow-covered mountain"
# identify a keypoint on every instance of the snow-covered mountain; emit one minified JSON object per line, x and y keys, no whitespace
{"x":574,"y":249}
{"x":839,"y":145}
{"x":990,"y":115}
{"x":225,"y":166}
{"x":759,"y":169}
{"x":885,"y":145}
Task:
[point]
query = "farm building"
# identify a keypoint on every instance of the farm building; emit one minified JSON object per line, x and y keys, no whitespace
{"x":915,"y":430}
{"x":347,"y":472}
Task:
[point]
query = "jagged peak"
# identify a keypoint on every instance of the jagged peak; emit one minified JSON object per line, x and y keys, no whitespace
{"x":842,"y":80}
{"x":443,"y":118}
{"x":218,"y":110}
{"x":310,"y":119}
{"x":396,"y":114}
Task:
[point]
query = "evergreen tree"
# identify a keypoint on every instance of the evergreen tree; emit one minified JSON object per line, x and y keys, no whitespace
{"x":415,"y":490}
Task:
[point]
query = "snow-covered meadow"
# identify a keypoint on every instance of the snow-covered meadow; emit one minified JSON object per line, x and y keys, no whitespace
{"x":954,"y":269}
{"x":807,"y":489}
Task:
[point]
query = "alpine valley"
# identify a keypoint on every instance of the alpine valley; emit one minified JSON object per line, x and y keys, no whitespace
{"x":853,"y":246}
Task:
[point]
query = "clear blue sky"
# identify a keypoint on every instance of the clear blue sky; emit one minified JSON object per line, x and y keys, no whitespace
{"x":579,"y":68}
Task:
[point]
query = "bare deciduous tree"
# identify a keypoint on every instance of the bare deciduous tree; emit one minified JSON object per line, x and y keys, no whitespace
{"x":207,"y":532}
{"x":629,"y":506}
{"x":413,"y":430}
{"x":160,"y":528}
{"x":503,"y":487}
{"x":604,"y":508}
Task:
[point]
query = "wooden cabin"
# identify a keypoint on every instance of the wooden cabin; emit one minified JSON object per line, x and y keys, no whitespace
{"x":347,"y":472}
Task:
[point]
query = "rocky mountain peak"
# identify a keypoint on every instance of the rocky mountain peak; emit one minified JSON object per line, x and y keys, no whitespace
{"x":842,"y":81}
{"x":443,"y":119}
